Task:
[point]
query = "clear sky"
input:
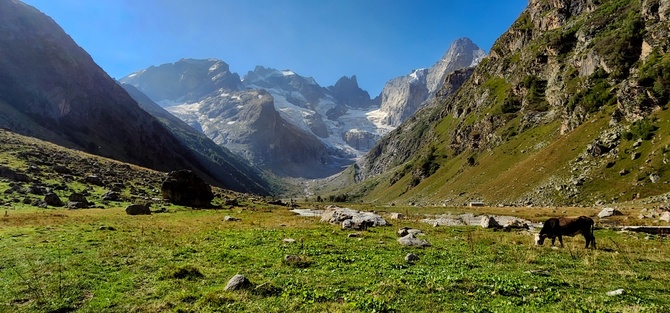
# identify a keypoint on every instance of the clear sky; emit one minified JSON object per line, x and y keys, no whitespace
{"x":376,"y":40}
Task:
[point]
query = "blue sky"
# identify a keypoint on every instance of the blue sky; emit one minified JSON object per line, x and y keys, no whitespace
{"x":376,"y":40}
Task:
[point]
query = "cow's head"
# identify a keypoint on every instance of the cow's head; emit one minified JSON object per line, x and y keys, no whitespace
{"x":539,"y":239}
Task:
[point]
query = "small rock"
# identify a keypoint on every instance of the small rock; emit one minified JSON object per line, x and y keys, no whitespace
{"x":397,"y":216}
{"x":288,"y":240}
{"x":607,"y":212}
{"x":412,"y":241}
{"x":138,"y":209}
{"x":353,"y":235}
{"x":111,"y":196}
{"x":623,"y":172}
{"x":654,"y":178}
{"x":411,"y":257}
{"x":634,"y":155}
{"x":407,"y":231}
{"x":615,"y":292}
{"x":347,"y":224}
{"x":238,"y":282}
{"x":665,"y":216}
{"x":230,"y":219}
{"x":94,"y":180}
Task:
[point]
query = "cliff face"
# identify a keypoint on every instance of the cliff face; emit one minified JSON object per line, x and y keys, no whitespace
{"x":404,"y":95}
{"x":563,"y":67}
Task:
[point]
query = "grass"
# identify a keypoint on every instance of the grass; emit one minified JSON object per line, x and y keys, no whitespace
{"x":64,"y":260}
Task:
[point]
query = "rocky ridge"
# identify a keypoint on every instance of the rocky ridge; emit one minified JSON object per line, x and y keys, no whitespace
{"x":570,"y":99}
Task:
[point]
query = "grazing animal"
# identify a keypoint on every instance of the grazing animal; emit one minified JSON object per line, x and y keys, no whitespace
{"x":568,"y":226}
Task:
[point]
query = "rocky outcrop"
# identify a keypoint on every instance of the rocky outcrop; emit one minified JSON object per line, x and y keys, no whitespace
{"x":352,"y":218}
{"x":402,"y":96}
{"x":185,"y":188}
{"x":347,"y":92}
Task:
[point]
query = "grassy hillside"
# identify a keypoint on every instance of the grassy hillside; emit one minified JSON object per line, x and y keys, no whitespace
{"x":570,"y":108}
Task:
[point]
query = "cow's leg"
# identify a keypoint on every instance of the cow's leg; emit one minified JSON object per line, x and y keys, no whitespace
{"x":553,"y":240}
{"x":560,"y":239}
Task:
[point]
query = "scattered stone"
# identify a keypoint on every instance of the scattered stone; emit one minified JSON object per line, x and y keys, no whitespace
{"x":61,"y":169}
{"x":288,"y":240}
{"x":608,"y":212}
{"x":230,"y":202}
{"x":347,"y":224}
{"x":94,"y":180}
{"x":138,"y":209}
{"x":665,"y":216}
{"x":489,"y":222}
{"x":238,"y":282}
{"x":183,"y":187}
{"x":37,"y":190}
{"x":52,"y":199}
{"x":406,"y":231}
{"x":617,"y":292}
{"x":397,"y":216}
{"x":654,"y":178}
{"x":412,"y":241}
{"x":635,"y":155}
{"x":230,"y":219}
{"x":411,"y":258}
{"x":476,"y":204}
{"x":353,"y":235}
{"x":12,"y":175}
{"x":111,"y":196}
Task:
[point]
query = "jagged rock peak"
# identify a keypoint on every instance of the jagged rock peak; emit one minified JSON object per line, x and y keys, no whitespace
{"x":187,"y":80}
{"x":347,"y":92}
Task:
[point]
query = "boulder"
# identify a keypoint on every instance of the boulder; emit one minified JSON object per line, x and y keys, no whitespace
{"x":607,"y":212}
{"x":94,"y":180}
{"x":77,"y":201}
{"x":412,"y":241}
{"x":238,"y":282}
{"x":183,"y":187}
{"x":12,"y":175}
{"x":665,"y":216}
{"x":397,"y":216}
{"x":358,"y":219}
{"x":53,"y":199}
{"x":288,"y":240}
{"x":111,"y":196}
{"x":138,"y":209}
{"x":654,"y":178}
{"x":406,"y":231}
{"x":489,"y":222}
{"x":230,"y":219}
{"x":411,"y":257}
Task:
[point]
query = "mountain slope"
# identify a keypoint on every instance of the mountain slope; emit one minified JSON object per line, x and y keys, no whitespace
{"x":47,"y":80}
{"x":404,"y":95}
{"x":568,"y":109}
{"x":220,"y":162}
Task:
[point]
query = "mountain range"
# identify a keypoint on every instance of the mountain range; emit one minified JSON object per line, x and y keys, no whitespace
{"x":287,"y":123}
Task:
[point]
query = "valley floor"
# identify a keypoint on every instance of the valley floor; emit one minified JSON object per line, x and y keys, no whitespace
{"x":102,"y":260}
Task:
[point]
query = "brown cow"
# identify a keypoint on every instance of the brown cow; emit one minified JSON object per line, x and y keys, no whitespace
{"x":567,"y":226}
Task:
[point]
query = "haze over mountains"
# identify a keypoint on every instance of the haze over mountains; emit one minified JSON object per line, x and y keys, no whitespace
{"x":315,"y":131}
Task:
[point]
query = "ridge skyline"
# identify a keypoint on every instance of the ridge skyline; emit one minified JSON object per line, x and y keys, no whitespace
{"x":374,"y":41}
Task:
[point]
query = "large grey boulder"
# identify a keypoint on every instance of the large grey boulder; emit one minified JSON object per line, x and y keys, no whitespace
{"x":350,"y":218}
{"x":183,"y":187}
{"x":138,"y":209}
{"x":608,"y":212}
